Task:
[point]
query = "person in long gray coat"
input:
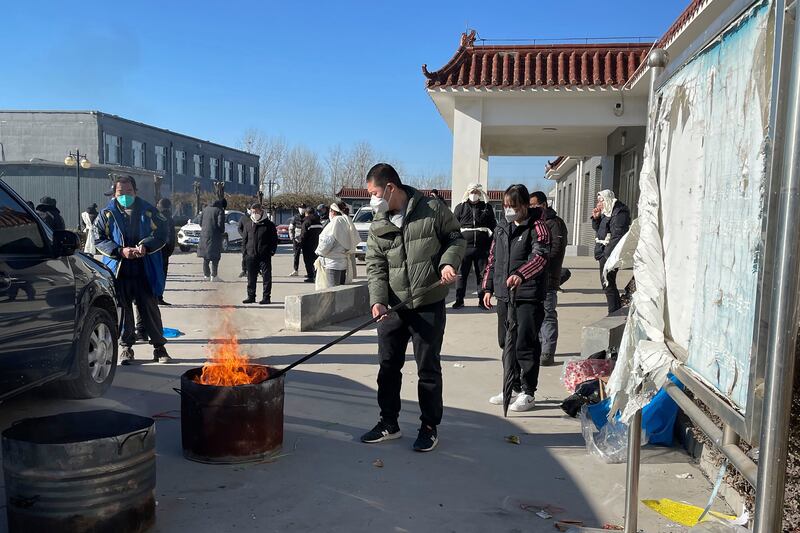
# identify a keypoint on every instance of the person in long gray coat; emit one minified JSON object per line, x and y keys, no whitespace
{"x":212,"y":232}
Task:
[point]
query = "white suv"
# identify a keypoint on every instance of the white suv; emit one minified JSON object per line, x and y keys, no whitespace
{"x":362,"y":221}
{"x":189,"y":235}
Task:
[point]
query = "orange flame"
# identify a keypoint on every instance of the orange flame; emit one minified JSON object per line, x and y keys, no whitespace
{"x":227,"y":366}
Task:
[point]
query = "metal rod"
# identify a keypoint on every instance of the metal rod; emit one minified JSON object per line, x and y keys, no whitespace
{"x":632,"y":476}
{"x":358,"y":328}
{"x":735,"y":455}
{"x":783,"y":315}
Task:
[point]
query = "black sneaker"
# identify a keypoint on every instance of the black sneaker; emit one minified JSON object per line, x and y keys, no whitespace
{"x":381,"y":432}
{"x":160,"y":355}
{"x":458,"y":304}
{"x":427,"y":439}
{"x":265,"y":301}
{"x":243,"y":274}
{"x":126,"y":357}
{"x":250,"y":300}
{"x":309,"y":280}
{"x":547,"y":359}
{"x":161,"y":301}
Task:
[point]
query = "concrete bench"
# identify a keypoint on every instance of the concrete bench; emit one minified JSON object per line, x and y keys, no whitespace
{"x":603,"y":334}
{"x":305,"y":312}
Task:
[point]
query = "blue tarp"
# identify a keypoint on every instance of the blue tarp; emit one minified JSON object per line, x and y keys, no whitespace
{"x":658,"y":416}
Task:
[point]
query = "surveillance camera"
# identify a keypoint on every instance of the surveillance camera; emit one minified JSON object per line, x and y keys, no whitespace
{"x":619,"y":109}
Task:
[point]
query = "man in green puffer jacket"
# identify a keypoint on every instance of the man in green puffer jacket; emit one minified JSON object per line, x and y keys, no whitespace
{"x":414,"y":242}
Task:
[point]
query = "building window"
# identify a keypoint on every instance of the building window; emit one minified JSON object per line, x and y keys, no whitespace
{"x":240,"y":172}
{"x":214,"y":168}
{"x":252,"y":172}
{"x":227,"y":169}
{"x":137,"y":151}
{"x":161,"y":158}
{"x":198,"y":165}
{"x":180,"y":162}
{"x":112,"y":145}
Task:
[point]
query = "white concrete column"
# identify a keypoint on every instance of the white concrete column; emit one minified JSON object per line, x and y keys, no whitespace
{"x":483,"y":176}
{"x":468,"y":163}
{"x":576,"y":228}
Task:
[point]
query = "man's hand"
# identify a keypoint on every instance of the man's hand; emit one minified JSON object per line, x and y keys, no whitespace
{"x":513,"y":281}
{"x":129,"y":253}
{"x":378,"y":310}
{"x":141,"y":251}
{"x":448,"y":275}
{"x":487,"y":300}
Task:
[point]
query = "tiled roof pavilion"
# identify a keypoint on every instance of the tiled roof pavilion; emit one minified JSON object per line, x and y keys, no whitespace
{"x":591,"y":66}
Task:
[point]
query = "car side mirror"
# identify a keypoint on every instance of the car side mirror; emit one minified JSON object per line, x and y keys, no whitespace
{"x":65,"y":243}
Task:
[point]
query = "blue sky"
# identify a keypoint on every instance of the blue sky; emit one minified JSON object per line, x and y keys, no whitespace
{"x":317,"y":73}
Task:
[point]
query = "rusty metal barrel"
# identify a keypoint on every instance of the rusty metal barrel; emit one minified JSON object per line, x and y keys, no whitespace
{"x":82,"y":472}
{"x":226,"y":425}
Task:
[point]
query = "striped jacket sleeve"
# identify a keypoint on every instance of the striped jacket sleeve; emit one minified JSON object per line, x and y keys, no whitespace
{"x":539,"y":252}
{"x":488,"y":274}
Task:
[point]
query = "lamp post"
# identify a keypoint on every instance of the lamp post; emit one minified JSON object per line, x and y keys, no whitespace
{"x":79,"y":161}
{"x":271,"y":183}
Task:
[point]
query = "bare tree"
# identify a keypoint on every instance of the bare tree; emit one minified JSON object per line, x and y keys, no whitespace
{"x":271,"y":151}
{"x":429,"y":181}
{"x":360,"y":159}
{"x":336,"y":165}
{"x":302,"y":172}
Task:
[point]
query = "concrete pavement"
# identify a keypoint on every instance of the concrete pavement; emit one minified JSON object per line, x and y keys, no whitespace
{"x":325,"y":479}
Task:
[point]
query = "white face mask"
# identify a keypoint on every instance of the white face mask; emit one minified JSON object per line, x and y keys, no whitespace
{"x":379,"y":205}
{"x":301,"y":210}
{"x":511,"y":214}
{"x":255,"y":217}
{"x":474,"y":197}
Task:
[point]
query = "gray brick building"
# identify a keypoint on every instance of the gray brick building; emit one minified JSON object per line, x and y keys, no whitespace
{"x":113,"y":141}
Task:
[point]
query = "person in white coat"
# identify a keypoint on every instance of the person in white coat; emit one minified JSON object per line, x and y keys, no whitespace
{"x":87,"y":221}
{"x":336,"y":263}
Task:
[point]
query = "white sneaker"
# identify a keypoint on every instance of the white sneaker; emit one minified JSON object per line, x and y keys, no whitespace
{"x":215,"y":278}
{"x":524,"y":402}
{"x":498,"y":400}
{"x":293,"y":274}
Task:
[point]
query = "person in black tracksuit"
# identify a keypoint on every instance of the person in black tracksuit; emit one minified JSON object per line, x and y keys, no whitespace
{"x":611,"y":220}
{"x":309,"y":240}
{"x":517,"y":261}
{"x":294,"y":233}
{"x":477,"y":221}
{"x":259,"y":242}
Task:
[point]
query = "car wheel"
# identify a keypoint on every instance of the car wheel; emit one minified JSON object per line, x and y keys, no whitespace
{"x":96,"y":354}
{"x":184,"y":248}
{"x":225,"y":243}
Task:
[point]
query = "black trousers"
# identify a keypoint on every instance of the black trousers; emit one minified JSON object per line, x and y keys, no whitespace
{"x":424,"y":326}
{"x":530,"y":316}
{"x":610,"y":288}
{"x":256,"y":266}
{"x":244,"y":262}
{"x":298,"y":250}
{"x":137,"y":290}
{"x":473,"y":257}
{"x":210,"y":267}
{"x":309,"y":256}
{"x":139,"y":320}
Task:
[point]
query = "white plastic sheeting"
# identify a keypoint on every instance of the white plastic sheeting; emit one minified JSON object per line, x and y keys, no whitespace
{"x":703,"y":183}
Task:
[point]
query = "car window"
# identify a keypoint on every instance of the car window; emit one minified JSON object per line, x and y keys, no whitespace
{"x":365,"y":215}
{"x":233,"y":218}
{"x":19,"y":232}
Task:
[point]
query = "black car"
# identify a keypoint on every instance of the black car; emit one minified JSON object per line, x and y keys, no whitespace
{"x":58,"y":310}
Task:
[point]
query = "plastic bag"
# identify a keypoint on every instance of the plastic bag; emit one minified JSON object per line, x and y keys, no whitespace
{"x":577,"y":371}
{"x":610,"y":444}
{"x":587,"y":392}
